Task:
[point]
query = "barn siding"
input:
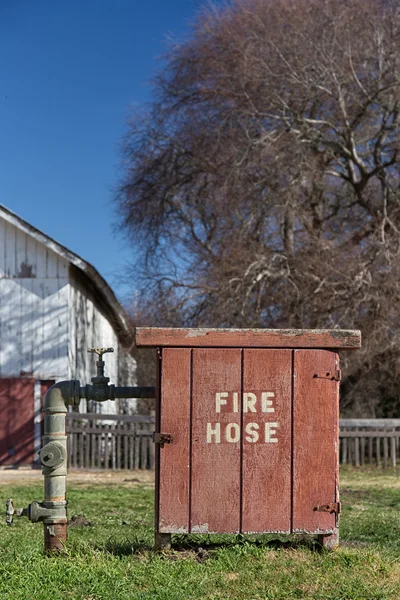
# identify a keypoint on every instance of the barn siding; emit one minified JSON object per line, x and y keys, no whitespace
{"x":21,"y":256}
{"x":91,"y":328}
{"x":33,"y":328}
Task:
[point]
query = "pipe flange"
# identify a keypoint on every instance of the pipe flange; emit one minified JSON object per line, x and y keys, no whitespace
{"x":52,"y":455}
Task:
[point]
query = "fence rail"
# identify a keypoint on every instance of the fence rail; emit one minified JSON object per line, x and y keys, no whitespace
{"x":125,"y":442}
{"x":110,"y":441}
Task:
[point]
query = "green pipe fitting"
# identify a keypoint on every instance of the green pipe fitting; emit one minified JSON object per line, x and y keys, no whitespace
{"x":41,"y":511}
{"x":52,"y":455}
{"x":47,"y":512}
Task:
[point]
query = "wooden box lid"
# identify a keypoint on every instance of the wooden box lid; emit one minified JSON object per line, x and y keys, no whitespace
{"x":340,"y":339}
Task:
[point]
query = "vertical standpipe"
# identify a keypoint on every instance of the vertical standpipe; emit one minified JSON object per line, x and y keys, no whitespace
{"x":53,"y":458}
{"x":53,"y":455}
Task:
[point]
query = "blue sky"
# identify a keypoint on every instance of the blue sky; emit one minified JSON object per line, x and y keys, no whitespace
{"x":70,"y":75}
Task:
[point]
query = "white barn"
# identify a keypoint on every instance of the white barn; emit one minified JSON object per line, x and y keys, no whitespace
{"x":53,"y":307}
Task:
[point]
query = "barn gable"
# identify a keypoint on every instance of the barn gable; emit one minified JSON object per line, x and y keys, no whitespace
{"x":53,"y":305}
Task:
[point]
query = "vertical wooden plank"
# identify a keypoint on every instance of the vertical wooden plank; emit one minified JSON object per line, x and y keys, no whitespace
{"x":145,"y":443}
{"x":385,"y":452}
{"x":370,"y":450}
{"x":74,"y":448}
{"x":315,"y":439}
{"x":174,"y":459}
{"x":99,"y":447}
{"x":80,"y":444}
{"x":131,"y":445}
{"x":87,"y":444}
{"x":344,"y":452}
{"x":137,"y":446}
{"x":10,"y":234}
{"x":125,"y":429}
{"x":362,"y":451}
{"x":151,"y":448}
{"x":118,"y":440}
{"x":393,"y":450}
{"x":266,"y":440}
{"x":21,"y":258}
{"x":51,"y":264}
{"x":113,"y":445}
{"x":92,"y":444}
{"x":357,"y":451}
{"x":216,"y":445}
{"x":378,"y":452}
{"x":106,"y":447}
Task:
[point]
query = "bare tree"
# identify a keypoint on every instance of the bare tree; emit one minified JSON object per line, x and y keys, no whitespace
{"x":262,"y":186}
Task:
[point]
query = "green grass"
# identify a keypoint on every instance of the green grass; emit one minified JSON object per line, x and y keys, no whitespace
{"x":112,"y":558}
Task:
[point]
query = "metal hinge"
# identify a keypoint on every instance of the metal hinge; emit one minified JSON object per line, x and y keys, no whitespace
{"x":331,"y":375}
{"x":334,"y":507}
{"x":162,"y":438}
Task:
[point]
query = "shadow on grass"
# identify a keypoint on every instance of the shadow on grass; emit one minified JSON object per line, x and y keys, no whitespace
{"x":193,"y":543}
{"x":202,"y":547}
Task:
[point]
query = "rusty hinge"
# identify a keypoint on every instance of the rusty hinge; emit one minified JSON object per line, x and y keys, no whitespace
{"x":334,"y":507}
{"x":332,"y":375}
{"x":162,"y":438}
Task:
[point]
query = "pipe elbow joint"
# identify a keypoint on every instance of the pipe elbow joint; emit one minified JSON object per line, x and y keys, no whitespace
{"x":60,"y":395}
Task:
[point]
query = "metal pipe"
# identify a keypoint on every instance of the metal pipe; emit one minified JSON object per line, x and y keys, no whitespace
{"x":100,"y":392}
{"x":53,"y":457}
{"x":135,"y":392}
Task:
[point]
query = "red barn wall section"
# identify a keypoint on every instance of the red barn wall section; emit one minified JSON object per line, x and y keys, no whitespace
{"x":17,"y":421}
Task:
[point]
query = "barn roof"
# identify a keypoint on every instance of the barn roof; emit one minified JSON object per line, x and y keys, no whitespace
{"x":89,"y":276}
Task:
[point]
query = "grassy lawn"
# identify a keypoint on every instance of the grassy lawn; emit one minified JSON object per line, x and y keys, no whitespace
{"x":110,"y":555}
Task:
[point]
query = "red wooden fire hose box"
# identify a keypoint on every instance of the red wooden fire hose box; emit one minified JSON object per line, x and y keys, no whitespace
{"x":247,"y":430}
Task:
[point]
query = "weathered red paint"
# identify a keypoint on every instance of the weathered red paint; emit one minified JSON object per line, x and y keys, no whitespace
{"x":16,"y":423}
{"x":215,"y":473}
{"x":248,"y":338}
{"x":17,"y":429}
{"x":255,"y":434}
{"x":315,"y":441}
{"x":266,"y":480}
{"x":175,"y":458}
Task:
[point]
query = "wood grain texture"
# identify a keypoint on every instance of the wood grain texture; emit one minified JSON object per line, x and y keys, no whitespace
{"x":174,"y":458}
{"x":315,"y":440}
{"x":266,"y":471}
{"x":248,"y":338}
{"x":215,"y":465}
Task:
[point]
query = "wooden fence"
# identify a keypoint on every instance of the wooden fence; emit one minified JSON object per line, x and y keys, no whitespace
{"x":369,"y":442}
{"x":110,"y":441}
{"x":125,"y":442}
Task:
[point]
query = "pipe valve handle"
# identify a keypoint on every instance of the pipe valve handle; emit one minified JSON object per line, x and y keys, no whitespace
{"x":9,"y":511}
{"x":100,"y":351}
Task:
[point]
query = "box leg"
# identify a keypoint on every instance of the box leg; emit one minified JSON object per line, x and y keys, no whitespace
{"x":162,"y":541}
{"x":331,"y":541}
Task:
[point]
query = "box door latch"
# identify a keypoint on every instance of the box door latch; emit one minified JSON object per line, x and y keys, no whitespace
{"x":162,"y":438}
{"x":334,"y":507}
{"x":332,"y":375}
